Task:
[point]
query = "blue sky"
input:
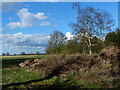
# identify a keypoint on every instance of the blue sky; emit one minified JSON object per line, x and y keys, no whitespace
{"x":25,"y":23}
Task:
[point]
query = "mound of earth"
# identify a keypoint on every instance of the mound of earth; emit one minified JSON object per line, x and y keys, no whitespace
{"x":105,"y":66}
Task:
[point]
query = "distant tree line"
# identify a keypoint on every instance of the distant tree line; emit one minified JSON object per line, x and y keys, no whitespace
{"x":37,"y":53}
{"x":22,"y":53}
{"x":5,"y":54}
{"x":88,"y":31}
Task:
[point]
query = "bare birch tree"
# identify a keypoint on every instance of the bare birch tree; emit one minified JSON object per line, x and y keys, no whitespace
{"x":91,"y":23}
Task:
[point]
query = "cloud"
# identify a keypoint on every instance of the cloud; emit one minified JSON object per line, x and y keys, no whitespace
{"x":27,"y":19}
{"x":46,"y":23}
{"x":10,"y":6}
{"x":69,"y":35}
{"x":16,"y":43}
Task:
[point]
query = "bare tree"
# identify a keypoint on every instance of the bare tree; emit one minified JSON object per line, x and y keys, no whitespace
{"x":91,"y":23}
{"x":22,"y":53}
{"x":56,"y":40}
{"x":37,"y":52}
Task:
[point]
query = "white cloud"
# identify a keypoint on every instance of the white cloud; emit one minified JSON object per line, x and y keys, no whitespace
{"x":10,"y":6}
{"x":69,"y":35}
{"x":46,"y":23}
{"x":27,"y":19}
{"x":16,"y":43}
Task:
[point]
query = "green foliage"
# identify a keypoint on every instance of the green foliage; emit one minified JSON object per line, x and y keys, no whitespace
{"x":118,"y":37}
{"x":113,"y":38}
{"x":72,"y":47}
{"x":97,"y":47}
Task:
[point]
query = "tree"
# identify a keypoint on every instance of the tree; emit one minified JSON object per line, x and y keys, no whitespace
{"x":83,"y":48}
{"x":118,"y":37}
{"x":111,"y":39}
{"x":56,"y":39}
{"x":14,"y":54}
{"x":90,"y":23}
{"x":7,"y":54}
{"x":72,"y":47}
{"x":99,"y":47}
{"x":55,"y":43}
{"x":22,"y":53}
{"x":37,"y":52}
{"x":3,"y":54}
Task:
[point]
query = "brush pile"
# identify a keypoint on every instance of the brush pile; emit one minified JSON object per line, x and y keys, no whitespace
{"x":104,"y":66}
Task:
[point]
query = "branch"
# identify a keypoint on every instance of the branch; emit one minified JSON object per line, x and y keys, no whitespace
{"x":87,"y":43}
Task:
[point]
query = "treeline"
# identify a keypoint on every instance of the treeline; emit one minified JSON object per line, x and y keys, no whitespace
{"x":58,"y":44}
{"x":89,"y":33}
{"x":23,"y":53}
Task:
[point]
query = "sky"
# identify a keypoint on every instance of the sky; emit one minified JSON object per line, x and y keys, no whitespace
{"x":119,"y":15}
{"x":26,"y":26}
{"x":60,"y":0}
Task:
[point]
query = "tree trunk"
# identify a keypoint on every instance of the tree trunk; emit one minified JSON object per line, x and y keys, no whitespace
{"x":90,"y":51}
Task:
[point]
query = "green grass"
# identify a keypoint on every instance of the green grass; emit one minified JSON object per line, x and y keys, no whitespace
{"x":67,"y":81}
{"x":15,"y":75}
{"x":9,"y":61}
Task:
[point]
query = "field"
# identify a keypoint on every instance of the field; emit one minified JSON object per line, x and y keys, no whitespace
{"x":17,"y":77}
{"x":8,"y":61}
{"x":11,"y":73}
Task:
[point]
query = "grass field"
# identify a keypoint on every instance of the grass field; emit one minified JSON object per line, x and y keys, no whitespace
{"x":13,"y":74}
{"x":20,"y":75}
{"x":9,"y":61}
{"x":18,"y":78}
